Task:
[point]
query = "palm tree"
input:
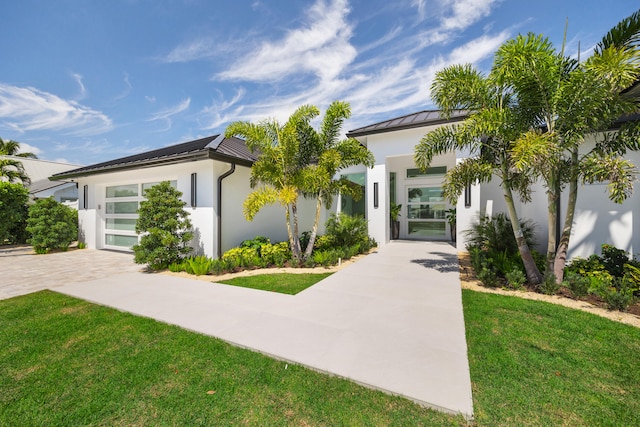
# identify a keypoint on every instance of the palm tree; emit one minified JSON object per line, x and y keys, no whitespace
{"x":330,"y":154}
{"x":625,"y":33}
{"x":11,"y":169}
{"x":568,"y":101}
{"x":278,"y":169}
{"x":12,"y":148}
{"x":489,"y":133}
{"x":297,"y":160}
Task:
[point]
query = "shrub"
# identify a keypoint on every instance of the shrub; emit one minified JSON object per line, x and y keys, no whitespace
{"x":548,"y":286}
{"x":256,"y":243}
{"x":199,"y":265}
{"x":488,"y":277}
{"x":13,"y":212}
{"x":614,"y":259}
{"x":586,"y":267}
{"x":82,"y":245}
{"x":616,"y":293}
{"x":177,"y":267}
{"x":246,"y":257}
{"x":495,"y":234}
{"x":345,"y":230}
{"x":276,"y":254}
{"x":325,"y":258}
{"x":165,"y":222}
{"x":577,"y":284}
{"x":52,"y":225}
{"x":516,"y":278}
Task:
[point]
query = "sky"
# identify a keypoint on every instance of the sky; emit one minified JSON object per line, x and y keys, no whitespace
{"x":86,"y":81}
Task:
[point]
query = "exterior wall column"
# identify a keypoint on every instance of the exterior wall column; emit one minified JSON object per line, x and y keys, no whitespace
{"x":466,"y":213}
{"x":378,"y":217}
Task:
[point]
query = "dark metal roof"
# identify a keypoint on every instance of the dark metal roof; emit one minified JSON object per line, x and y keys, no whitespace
{"x":216,"y":147}
{"x":415,"y":120}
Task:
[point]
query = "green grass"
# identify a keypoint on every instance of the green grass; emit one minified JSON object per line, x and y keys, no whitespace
{"x":283,"y":283}
{"x":66,"y":362}
{"x":538,"y":364}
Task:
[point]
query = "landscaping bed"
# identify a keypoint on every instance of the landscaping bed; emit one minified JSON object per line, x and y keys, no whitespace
{"x":590,"y":303}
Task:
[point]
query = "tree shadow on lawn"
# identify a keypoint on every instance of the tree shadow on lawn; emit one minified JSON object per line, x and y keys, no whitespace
{"x":447,"y":263}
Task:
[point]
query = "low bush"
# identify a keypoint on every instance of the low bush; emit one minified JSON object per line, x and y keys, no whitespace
{"x":549,"y":286}
{"x":13,"y":212}
{"x":488,"y":277}
{"x":577,"y":284}
{"x":177,"y":267}
{"x":616,"y":293}
{"x":199,"y":265}
{"x":52,"y":225}
{"x":516,"y":278}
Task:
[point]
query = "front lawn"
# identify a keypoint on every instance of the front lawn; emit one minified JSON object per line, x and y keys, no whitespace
{"x":68,"y":362}
{"x":539,"y":364}
{"x":284,"y":283}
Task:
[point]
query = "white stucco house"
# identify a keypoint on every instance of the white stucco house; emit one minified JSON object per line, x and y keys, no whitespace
{"x":213,"y":175}
{"x":395,"y":178}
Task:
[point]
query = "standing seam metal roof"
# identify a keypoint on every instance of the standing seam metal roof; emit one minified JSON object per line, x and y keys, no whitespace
{"x":228,"y":149}
{"x":409,"y":121}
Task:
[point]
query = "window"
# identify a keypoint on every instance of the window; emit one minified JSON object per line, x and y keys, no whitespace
{"x":430,"y":172}
{"x":122,"y":191}
{"x":348,"y":204}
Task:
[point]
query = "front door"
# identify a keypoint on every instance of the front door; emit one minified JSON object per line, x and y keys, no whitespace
{"x":425,"y":213}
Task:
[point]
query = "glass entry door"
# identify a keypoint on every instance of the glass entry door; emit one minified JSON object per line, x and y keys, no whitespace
{"x":425,"y":217}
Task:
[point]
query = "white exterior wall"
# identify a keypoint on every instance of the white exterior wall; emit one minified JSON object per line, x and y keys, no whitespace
{"x":269,"y":222}
{"x":393,"y":152}
{"x":597,"y":220}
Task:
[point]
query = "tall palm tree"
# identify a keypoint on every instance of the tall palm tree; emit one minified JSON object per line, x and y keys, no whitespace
{"x":625,"y":33}
{"x":570,"y":100}
{"x":11,"y":169}
{"x":278,"y":170}
{"x":296,"y":160}
{"x":488,"y":133}
{"x":12,"y":148}
{"x":329,"y":155}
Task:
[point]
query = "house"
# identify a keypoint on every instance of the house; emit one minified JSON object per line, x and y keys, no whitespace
{"x":395,"y":178}
{"x":41,"y":187}
{"x":213,"y":175}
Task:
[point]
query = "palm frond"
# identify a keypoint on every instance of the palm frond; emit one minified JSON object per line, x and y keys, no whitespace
{"x":624,"y":33}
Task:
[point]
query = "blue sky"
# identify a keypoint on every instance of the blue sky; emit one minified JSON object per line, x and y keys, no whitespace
{"x":85,"y":81}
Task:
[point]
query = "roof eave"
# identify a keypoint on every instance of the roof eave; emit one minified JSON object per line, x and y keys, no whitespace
{"x":356,"y":134}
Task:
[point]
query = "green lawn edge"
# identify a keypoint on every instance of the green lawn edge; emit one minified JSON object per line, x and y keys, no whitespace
{"x":284,"y":283}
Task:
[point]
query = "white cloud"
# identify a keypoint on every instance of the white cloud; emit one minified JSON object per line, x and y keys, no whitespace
{"x":464,"y":13}
{"x":28,"y":109}
{"x":167,"y":114}
{"x":127,"y":89}
{"x":201,"y":48}
{"x":421,"y":6}
{"x":320,"y":47}
{"x":171,"y":111}
{"x":28,"y":148}
{"x":83,"y":91}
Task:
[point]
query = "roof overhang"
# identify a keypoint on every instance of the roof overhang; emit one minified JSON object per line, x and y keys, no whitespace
{"x":207,"y":154}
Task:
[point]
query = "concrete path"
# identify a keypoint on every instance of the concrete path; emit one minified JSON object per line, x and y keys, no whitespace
{"x":391,"y":321}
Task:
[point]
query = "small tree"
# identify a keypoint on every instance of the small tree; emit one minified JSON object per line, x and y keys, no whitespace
{"x":166,"y":226}
{"x":13,"y":212}
{"x":52,"y":225}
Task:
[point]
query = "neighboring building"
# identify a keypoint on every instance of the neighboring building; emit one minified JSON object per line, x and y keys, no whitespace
{"x":41,"y":187}
{"x":213,"y":175}
{"x":395,"y":178}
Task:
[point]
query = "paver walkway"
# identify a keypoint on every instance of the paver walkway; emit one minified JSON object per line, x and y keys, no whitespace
{"x":392,"y":321}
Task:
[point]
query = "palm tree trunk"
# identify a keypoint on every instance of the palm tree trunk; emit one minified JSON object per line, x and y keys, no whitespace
{"x":563,"y":246}
{"x":531,"y":269}
{"x":297,"y":252}
{"x":314,"y":230}
{"x":552,"y":225}
{"x":287,"y":215}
